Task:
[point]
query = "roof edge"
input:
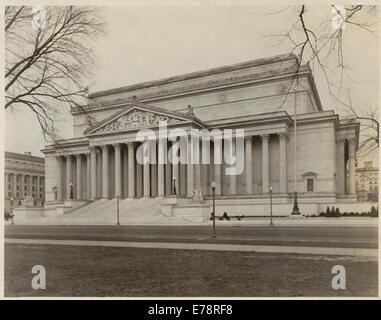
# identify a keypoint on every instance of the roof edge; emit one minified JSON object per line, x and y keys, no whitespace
{"x":192,"y":75}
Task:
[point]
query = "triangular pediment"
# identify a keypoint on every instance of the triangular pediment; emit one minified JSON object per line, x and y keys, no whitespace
{"x":135,"y":118}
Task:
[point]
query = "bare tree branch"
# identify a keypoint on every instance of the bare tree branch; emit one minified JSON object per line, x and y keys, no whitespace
{"x":47,"y":69}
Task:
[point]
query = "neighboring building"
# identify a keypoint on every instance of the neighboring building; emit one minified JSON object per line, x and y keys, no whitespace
{"x":367,"y":182}
{"x":24,"y":177}
{"x":99,"y":161}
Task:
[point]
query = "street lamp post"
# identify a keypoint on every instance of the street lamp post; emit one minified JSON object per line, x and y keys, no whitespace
{"x":271,"y":206}
{"x":71,"y":191}
{"x":295,"y":210}
{"x":213,"y":184}
{"x":117,"y":211}
{"x":174,"y":186}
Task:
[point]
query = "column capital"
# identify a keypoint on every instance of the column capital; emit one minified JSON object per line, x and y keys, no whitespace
{"x":68,"y":156}
{"x":104,"y":147}
{"x":340,"y":141}
{"x":93,"y":149}
{"x":78,"y":156}
{"x":282,"y":135}
{"x":264,"y":136}
{"x":248,"y":137}
{"x":116,"y":145}
{"x":351,"y":140}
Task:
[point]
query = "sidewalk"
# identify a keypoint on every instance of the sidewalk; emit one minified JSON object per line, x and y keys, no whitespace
{"x":260,"y":221}
{"x":373,"y":253}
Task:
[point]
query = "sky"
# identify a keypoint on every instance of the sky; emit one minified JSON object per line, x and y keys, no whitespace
{"x":144,"y":43}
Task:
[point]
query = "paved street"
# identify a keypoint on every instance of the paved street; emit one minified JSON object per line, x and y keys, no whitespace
{"x":334,"y":236}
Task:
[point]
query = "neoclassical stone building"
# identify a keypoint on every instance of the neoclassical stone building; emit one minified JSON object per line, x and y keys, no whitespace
{"x":24,"y":177}
{"x":259,"y":96}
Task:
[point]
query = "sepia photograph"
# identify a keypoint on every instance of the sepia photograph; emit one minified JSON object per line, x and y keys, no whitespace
{"x":191,"y":149}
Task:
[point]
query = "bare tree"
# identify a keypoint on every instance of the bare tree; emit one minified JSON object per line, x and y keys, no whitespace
{"x":49,"y":60}
{"x":321,"y":46}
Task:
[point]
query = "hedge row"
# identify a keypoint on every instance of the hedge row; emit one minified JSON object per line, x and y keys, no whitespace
{"x":332,"y":212}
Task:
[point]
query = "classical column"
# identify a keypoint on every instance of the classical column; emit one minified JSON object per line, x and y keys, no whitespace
{"x":27,"y":183}
{"x":59,"y":180}
{"x":197,"y":166}
{"x":68,"y":176}
{"x":93,"y":167}
{"x":125,"y":172}
{"x":217,"y":150}
{"x":249,"y":164}
{"x":118,"y":170}
{"x":38,"y":187}
{"x":190,"y":167}
{"x":146,"y":170}
{"x":283,"y":162}
{"x":131,"y":170}
{"x":139,"y":169}
{"x":22,"y":193}
{"x":175,"y":168}
{"x":233,"y":177}
{"x":79,"y":176}
{"x":99,"y":173}
{"x":105,"y":172}
{"x":88,"y":176}
{"x":15,"y":185}
{"x":265,"y":163}
{"x":340,"y":145}
{"x":351,"y":165}
{"x":160,"y":167}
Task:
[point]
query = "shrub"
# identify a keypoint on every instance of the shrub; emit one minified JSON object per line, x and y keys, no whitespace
{"x":374,"y":212}
{"x":327,"y":212}
{"x":337,"y":212}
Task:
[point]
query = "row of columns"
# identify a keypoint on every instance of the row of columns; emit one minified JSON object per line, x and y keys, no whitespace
{"x":193,"y":171}
{"x":12,"y":178}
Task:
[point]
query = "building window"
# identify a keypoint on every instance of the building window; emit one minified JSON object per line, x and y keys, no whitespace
{"x":310,"y":181}
{"x":33,"y":188}
{"x":18,"y":195}
{"x":25,"y":188}
{"x":310,"y":185}
{"x":17,"y":187}
{"x":9,"y":194}
{"x":19,"y":203}
{"x":35,"y":203}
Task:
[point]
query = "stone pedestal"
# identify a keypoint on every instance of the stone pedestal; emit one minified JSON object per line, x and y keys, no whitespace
{"x":192,"y":212}
{"x":186,"y":209}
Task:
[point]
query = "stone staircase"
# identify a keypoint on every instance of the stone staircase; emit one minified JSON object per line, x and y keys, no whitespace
{"x":104,"y":212}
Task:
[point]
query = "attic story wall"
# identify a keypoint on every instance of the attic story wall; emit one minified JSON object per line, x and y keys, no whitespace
{"x":228,"y":103}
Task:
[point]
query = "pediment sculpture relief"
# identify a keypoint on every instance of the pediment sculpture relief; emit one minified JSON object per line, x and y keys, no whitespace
{"x":137,"y":118}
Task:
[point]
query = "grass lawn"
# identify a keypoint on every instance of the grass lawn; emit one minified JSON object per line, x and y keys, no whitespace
{"x":137,"y":272}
